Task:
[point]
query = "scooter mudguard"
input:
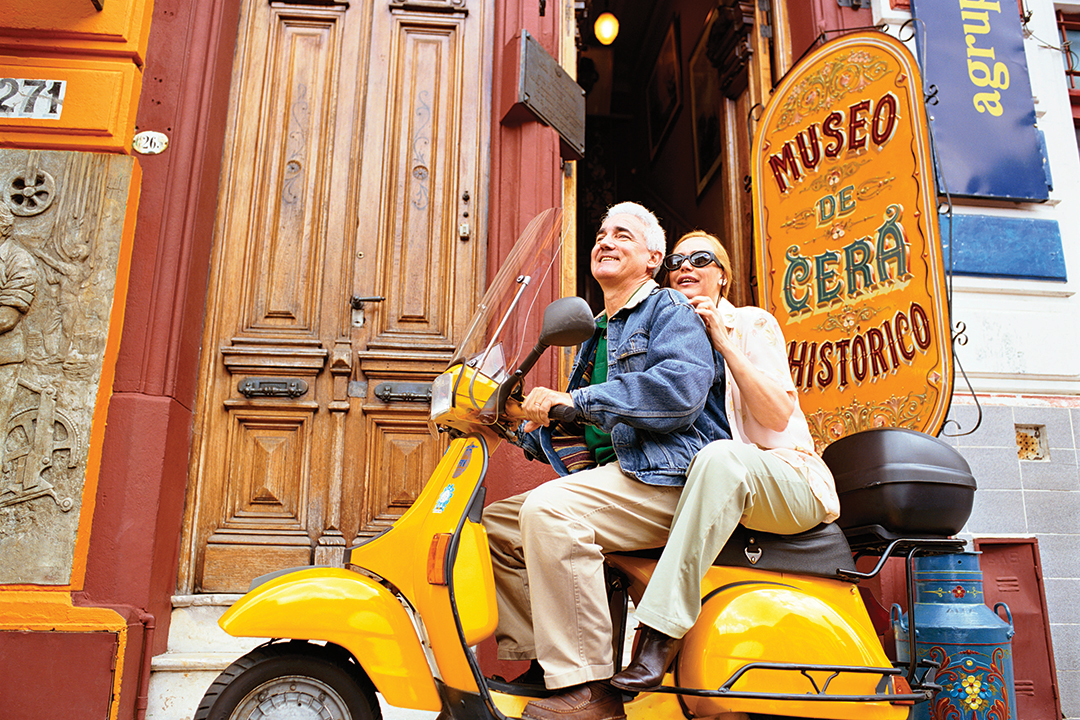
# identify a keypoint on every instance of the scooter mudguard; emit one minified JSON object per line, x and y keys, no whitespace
{"x":433,"y":534}
{"x":760,"y":617}
{"x":347,"y":609}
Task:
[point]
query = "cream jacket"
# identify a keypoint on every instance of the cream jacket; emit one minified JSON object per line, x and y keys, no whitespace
{"x":759,"y":336}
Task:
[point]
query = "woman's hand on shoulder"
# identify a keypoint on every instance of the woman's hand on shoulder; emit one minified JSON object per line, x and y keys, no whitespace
{"x":719,"y":333}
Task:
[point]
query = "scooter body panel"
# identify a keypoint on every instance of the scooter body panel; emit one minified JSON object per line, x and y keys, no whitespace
{"x":406,"y":557}
{"x":755,"y":616}
{"x":350,"y":610}
{"x":400,"y":554}
{"x":474,"y":584}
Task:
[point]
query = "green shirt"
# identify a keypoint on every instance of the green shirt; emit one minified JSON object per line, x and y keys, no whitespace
{"x":598,"y":441}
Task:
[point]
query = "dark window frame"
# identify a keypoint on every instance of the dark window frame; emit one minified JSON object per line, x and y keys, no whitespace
{"x":1071,"y":22}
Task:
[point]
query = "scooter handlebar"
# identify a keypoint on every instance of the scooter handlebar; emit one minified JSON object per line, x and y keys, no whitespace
{"x":563,"y":413}
{"x":557,"y":413}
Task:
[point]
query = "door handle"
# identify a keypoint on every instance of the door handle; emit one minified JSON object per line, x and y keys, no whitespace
{"x":357,"y":304}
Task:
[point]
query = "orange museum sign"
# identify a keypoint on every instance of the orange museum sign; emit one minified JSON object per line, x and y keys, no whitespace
{"x":846,"y":239}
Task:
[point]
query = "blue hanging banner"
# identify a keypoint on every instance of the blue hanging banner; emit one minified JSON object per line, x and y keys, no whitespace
{"x":984,"y":120}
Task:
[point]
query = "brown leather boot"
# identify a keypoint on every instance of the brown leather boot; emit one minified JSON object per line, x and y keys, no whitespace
{"x":592,"y":701}
{"x":653,"y":657}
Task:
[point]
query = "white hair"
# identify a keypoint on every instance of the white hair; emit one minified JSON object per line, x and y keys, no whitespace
{"x":654,"y":234}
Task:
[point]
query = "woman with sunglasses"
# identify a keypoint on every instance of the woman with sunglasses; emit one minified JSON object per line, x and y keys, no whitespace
{"x":767,"y":477}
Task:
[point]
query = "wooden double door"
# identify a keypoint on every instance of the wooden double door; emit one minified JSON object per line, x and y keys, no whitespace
{"x":349,"y":252}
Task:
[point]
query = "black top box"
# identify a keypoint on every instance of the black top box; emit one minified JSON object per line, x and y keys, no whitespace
{"x":908,"y":482}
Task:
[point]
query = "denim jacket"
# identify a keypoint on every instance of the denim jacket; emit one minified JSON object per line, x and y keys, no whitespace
{"x":664,"y":396}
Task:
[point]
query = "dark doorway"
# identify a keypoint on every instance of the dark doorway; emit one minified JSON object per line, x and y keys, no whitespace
{"x":659,"y":130}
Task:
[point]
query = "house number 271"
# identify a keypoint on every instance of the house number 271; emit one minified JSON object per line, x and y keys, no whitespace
{"x":26,"y":98}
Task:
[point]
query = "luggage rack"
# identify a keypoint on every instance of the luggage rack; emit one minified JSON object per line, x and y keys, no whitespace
{"x":876,"y":541}
{"x":869,"y":540}
{"x":924,"y":691}
{"x":873,"y":540}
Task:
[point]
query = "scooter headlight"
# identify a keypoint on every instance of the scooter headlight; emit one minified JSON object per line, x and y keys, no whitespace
{"x":441,"y":390}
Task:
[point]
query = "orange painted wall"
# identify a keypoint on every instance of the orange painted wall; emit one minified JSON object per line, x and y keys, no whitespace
{"x":99,"y":55}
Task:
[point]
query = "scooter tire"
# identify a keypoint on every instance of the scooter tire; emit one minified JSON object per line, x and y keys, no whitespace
{"x":306,"y":676}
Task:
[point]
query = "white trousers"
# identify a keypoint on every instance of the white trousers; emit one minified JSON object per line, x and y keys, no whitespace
{"x":729,"y":482}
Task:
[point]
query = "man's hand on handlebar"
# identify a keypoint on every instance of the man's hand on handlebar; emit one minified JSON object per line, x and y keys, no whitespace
{"x":538,"y":403}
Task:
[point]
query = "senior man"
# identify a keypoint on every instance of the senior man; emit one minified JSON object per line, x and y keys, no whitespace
{"x":648,"y":389}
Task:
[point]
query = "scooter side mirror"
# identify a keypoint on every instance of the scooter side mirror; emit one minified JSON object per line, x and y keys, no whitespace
{"x":567,"y":322}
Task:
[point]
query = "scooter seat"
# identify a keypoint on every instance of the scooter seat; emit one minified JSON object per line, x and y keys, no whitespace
{"x":820,"y":551}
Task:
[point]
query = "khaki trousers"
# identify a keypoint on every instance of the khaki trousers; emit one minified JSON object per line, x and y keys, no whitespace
{"x":729,"y":482}
{"x":547,"y":549}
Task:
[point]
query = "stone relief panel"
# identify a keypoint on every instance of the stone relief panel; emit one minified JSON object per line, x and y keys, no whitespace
{"x":61,"y":228}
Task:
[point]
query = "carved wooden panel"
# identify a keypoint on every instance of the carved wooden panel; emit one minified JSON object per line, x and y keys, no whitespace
{"x":291,"y":108}
{"x":419,"y":238}
{"x":401,"y":454}
{"x":265,"y":498}
{"x":229,"y":567}
{"x":267,"y":470}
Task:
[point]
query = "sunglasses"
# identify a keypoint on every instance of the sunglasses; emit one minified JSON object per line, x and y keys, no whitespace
{"x":699,"y":259}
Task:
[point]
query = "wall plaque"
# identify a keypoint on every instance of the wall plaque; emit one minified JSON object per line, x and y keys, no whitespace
{"x":66,"y":220}
{"x":846,"y":239}
{"x":544,"y":91}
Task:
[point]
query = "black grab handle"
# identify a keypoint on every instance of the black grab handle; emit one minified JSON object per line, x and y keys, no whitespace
{"x":563,"y":413}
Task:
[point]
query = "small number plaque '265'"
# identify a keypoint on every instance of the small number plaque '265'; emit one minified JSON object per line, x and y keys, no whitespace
{"x":27,"y":98}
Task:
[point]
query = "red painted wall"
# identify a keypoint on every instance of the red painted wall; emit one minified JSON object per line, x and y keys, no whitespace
{"x":811,"y":18}
{"x":526,"y":178}
{"x":39,"y":661}
{"x":134,"y":544}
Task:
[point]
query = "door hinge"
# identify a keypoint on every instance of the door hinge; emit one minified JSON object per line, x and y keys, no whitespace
{"x":272,"y":387}
{"x":446,"y":6}
{"x":403,"y":392}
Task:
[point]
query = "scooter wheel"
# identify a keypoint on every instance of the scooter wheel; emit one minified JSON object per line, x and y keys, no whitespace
{"x":291,"y":681}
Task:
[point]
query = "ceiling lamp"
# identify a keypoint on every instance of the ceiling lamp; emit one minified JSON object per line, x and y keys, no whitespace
{"x":606,"y":28}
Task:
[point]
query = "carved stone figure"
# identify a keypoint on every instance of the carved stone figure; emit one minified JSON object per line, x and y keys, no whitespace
{"x":18,"y":281}
{"x":61,"y":236}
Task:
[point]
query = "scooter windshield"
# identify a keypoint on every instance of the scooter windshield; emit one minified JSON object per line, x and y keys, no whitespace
{"x":497,"y":334}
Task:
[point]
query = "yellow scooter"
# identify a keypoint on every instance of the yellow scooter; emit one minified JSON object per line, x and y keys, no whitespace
{"x":784,"y":629}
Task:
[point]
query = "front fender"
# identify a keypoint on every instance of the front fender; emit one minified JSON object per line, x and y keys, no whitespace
{"x":347,"y":609}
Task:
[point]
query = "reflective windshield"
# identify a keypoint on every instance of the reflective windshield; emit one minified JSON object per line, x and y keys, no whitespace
{"x":497,"y":337}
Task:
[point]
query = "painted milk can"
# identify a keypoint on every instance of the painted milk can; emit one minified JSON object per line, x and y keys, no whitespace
{"x":969,"y":641}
